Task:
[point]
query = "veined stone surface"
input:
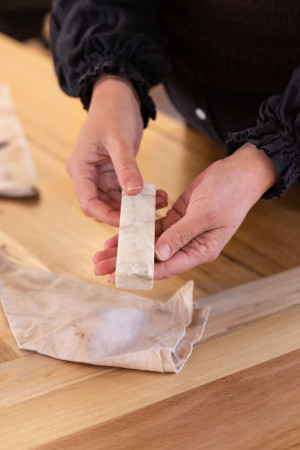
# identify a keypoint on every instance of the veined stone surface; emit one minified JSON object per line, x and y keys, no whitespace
{"x":135,"y":257}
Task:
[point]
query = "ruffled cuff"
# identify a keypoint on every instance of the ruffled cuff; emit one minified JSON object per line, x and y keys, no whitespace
{"x":94,"y":37}
{"x":97,"y":65}
{"x":279,"y":144}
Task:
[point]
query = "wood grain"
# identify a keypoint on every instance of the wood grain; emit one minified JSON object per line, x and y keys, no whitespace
{"x":239,"y":306}
{"x":242,"y":411}
{"x":239,"y":388}
{"x":52,"y":121}
{"x":68,"y":405}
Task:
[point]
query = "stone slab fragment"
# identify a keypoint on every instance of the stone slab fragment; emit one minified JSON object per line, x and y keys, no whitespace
{"x":135,"y":257}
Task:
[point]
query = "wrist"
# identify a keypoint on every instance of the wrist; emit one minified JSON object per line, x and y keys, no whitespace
{"x":258,"y":168}
{"x":115,"y":80}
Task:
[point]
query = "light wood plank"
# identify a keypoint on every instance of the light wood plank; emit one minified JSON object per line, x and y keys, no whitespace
{"x":112,"y":394}
{"x":44,"y":400}
{"x":177,"y":150}
{"x":198,"y":420}
{"x":241,"y":305}
{"x":19,"y":376}
{"x":230,"y":310}
{"x":233,"y":308}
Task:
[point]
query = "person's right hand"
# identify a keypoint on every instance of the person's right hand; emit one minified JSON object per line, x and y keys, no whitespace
{"x":103,"y":160}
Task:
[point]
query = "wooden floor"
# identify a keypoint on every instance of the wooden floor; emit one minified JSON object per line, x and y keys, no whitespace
{"x":240,"y":388}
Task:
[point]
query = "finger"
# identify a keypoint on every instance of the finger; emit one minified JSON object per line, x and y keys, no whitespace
{"x":161,"y":193}
{"x":179,"y":263}
{"x":166,"y":222}
{"x":161,"y":199}
{"x":112,"y":278}
{"x":161,"y":203}
{"x":177,"y":236}
{"x":106,"y":267}
{"x":126,"y":168}
{"x":176,"y":213}
{"x":105,"y":254}
{"x":202,"y":249}
{"x":108,"y":199}
{"x":110,"y":195}
{"x":101,"y":212}
{"x":107,"y":179}
{"x":111,"y":242}
{"x":88,"y":196}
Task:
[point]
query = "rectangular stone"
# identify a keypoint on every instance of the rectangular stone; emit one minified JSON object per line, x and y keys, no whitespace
{"x":135,"y":257}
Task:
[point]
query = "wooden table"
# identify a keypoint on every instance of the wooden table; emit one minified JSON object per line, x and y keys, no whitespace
{"x":240,"y":388}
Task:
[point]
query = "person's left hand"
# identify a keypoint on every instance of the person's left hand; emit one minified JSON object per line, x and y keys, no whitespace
{"x":205,"y":216}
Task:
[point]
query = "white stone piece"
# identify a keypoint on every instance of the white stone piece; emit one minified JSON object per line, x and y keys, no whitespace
{"x":135,"y":257}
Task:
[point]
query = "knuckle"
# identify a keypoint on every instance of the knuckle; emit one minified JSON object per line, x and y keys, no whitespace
{"x":210,"y":253}
{"x":127,"y":166}
{"x":182,"y":237}
{"x":162,"y":271}
{"x":122,"y":142}
{"x":85,"y":208}
{"x":212,"y":214}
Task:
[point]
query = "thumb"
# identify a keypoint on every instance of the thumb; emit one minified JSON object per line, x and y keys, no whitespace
{"x":126,"y":168}
{"x":176,"y":237}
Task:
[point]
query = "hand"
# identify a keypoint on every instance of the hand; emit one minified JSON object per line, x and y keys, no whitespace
{"x":103,"y":160}
{"x":205,"y":216}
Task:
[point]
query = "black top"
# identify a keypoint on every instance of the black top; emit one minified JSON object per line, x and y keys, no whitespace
{"x":248,"y":47}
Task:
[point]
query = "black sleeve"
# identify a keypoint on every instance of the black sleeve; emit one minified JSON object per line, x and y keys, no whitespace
{"x":277,"y":133}
{"x":120,"y":37}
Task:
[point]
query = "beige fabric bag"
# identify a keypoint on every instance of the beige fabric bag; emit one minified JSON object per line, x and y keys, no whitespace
{"x":76,"y":321}
{"x":17,"y":172}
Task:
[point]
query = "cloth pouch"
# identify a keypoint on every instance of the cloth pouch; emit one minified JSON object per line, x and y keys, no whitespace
{"x":76,"y":321}
{"x":17,"y":171}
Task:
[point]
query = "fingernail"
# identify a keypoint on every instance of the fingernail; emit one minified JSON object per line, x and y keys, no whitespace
{"x":133,"y":183}
{"x":163,"y":252}
{"x":163,"y":205}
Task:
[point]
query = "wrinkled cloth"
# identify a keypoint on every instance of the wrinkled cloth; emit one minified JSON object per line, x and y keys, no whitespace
{"x":17,"y":171}
{"x":76,"y":321}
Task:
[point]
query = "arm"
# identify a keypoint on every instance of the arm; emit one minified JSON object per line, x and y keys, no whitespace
{"x":277,"y":134}
{"x":264,"y":161}
{"x":92,"y":39}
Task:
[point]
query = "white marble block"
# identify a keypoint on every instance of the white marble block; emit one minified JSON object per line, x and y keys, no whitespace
{"x":135,"y":257}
